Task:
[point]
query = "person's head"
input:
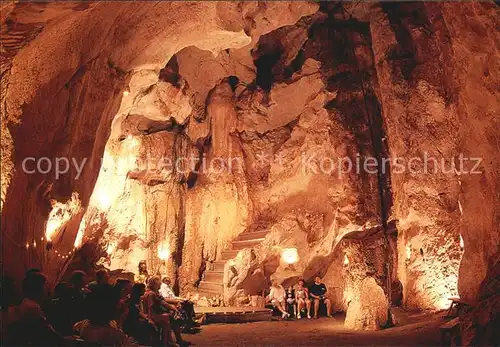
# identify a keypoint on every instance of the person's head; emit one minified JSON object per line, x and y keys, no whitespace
{"x":35,"y":287}
{"x":317,"y":280}
{"x":142,"y":266}
{"x":102,"y":276}
{"x":9,"y":296}
{"x":154,"y":283}
{"x":166,"y":280}
{"x":62,"y":290}
{"x":78,"y":279}
{"x":123,"y":287}
{"x":101,"y":303}
{"x":301,"y":283}
{"x":138,"y":290}
{"x":274,"y":282}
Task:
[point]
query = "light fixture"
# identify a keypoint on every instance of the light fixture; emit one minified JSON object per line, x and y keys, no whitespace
{"x":290,"y":255}
{"x":163,"y":252}
{"x":346,"y":260}
{"x":461,"y":243}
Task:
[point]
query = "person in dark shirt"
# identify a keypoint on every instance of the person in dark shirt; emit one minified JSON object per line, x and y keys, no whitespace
{"x":318,"y":295}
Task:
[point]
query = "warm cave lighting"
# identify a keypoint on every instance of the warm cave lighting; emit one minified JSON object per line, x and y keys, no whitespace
{"x":79,"y":235}
{"x":163,"y":252}
{"x":290,"y":255}
{"x":60,"y":215}
{"x":103,"y":200}
{"x":111,"y":249}
{"x":408,"y":252}
{"x":346,"y":260}
{"x":126,"y":92}
{"x":132,"y":141}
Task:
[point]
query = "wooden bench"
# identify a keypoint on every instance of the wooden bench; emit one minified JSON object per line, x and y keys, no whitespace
{"x":449,"y":330}
{"x":459,"y":304}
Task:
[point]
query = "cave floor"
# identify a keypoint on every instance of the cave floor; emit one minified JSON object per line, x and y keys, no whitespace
{"x":412,"y":330}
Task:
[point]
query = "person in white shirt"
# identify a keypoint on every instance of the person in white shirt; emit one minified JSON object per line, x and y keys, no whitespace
{"x":166,"y":291}
{"x":187,"y":306}
{"x":277,"y":297}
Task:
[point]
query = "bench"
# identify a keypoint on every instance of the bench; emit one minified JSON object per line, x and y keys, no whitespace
{"x":449,"y":330}
{"x":459,"y":304}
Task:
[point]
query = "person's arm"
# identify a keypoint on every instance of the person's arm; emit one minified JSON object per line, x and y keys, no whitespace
{"x":313,"y":295}
{"x":271,"y":293}
{"x":168,"y":306}
{"x":149,"y":305}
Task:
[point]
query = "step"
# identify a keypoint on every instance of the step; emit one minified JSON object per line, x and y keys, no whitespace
{"x":241,"y":244}
{"x":214,"y":276}
{"x":206,"y":293}
{"x":252,"y":235}
{"x":226,"y":255}
{"x":211,"y":287}
{"x":218,"y":266}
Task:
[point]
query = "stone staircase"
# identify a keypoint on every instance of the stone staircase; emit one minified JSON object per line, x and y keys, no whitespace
{"x":212,"y":284}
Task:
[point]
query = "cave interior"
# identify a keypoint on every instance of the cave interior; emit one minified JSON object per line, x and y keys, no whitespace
{"x":226,"y":143}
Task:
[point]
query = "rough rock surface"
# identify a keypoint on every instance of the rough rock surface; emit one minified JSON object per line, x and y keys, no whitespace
{"x":270,"y":95}
{"x":367,"y":308}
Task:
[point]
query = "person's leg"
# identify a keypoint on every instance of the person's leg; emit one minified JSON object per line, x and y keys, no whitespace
{"x":279,"y":306}
{"x":162,"y":321}
{"x":177,"y":332}
{"x":316,"y":307}
{"x":282,"y":308}
{"x":308,"y":305}
{"x":328,"y":304}
{"x":300,"y":306}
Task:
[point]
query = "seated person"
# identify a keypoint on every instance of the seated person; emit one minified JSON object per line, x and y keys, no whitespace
{"x":122,"y":288}
{"x":290,"y":301}
{"x":136,"y":323}
{"x":186,"y":306}
{"x":31,"y":327}
{"x":100,"y":327}
{"x":161,"y":312}
{"x":302,"y":299}
{"x":101,"y":277}
{"x":59,"y":311}
{"x":277,"y":298}
{"x":79,"y":291}
{"x":318,"y":295}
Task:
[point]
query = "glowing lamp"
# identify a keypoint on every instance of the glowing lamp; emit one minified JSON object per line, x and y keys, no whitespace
{"x":461,"y":243}
{"x":346,"y":260}
{"x":163,"y":252}
{"x":103,"y":200}
{"x":110,"y":250}
{"x":290,"y":255}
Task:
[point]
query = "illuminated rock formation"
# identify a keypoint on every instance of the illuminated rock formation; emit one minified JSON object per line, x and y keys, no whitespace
{"x":224,"y":142}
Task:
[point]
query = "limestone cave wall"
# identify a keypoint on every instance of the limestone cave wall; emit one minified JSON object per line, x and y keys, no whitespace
{"x":199,"y":122}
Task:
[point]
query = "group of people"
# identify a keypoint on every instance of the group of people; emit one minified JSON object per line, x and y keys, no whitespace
{"x":296,"y":300}
{"x":121,"y":314}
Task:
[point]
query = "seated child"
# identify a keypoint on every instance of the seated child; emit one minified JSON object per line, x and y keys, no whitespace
{"x":290,"y":300}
